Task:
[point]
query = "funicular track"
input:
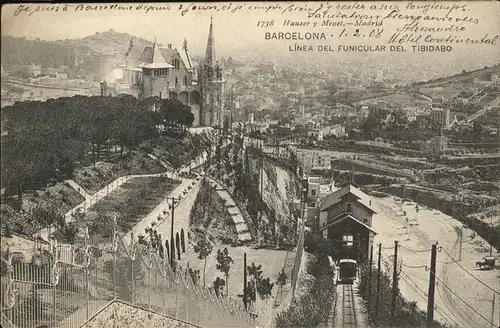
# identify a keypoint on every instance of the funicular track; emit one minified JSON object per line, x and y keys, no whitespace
{"x":348,"y":312}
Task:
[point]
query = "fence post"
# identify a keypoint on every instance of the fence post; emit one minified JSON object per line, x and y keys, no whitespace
{"x":378,"y":280}
{"x":150,"y":279}
{"x":86,"y":243}
{"x":165,"y":263}
{"x":132,"y":260}
{"x":115,"y":249}
{"x":54,"y":282}
{"x":245,"y":280}
{"x":370,"y":275}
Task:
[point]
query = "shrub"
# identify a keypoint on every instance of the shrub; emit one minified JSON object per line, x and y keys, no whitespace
{"x":314,"y":306}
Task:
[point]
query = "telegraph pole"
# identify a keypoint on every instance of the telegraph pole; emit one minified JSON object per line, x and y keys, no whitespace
{"x":394,"y":282}
{"x":432,"y":286}
{"x":370,"y":274}
{"x":378,"y":279}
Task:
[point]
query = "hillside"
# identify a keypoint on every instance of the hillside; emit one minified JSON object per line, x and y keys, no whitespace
{"x":95,"y":54}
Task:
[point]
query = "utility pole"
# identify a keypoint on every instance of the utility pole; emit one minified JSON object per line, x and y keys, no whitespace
{"x":245,"y":280}
{"x":370,"y":274}
{"x":378,"y":279}
{"x":432,"y":286}
{"x":394,"y":282}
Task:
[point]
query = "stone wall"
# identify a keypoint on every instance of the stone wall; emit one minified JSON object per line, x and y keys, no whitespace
{"x":119,"y":314}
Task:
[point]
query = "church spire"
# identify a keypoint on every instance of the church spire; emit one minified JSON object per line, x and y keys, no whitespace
{"x":210,"y":58}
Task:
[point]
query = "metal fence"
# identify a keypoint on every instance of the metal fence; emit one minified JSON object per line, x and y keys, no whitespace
{"x":66,"y":286}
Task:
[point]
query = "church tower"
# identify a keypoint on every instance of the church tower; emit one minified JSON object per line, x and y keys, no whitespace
{"x":211,"y":85}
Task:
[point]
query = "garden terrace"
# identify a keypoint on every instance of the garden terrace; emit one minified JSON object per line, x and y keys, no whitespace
{"x":178,"y":151}
{"x":95,"y":177}
{"x":134,"y":200}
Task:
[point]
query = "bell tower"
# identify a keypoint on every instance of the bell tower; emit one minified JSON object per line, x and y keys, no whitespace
{"x":211,"y":85}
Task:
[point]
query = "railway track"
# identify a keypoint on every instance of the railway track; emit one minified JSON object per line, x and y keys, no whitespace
{"x":348,"y":312}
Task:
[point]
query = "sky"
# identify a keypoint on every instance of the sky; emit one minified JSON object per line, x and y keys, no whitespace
{"x":237,"y":32}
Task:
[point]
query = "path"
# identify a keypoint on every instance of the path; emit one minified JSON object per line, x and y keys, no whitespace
{"x":234,"y":211}
{"x":77,"y":187}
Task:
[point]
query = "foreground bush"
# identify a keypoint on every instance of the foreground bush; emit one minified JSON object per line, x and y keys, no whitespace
{"x":312,"y":308}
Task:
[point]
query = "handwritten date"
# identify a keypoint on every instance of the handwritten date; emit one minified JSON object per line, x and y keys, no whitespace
{"x":374,"y":33}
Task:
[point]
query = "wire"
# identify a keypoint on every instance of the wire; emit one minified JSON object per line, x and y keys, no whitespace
{"x":415,"y":250}
{"x":413,"y":267}
{"x":425,"y":294}
{"x":460,"y":298}
{"x":425,"y":299}
{"x":447,"y":307}
{"x":495,"y":291}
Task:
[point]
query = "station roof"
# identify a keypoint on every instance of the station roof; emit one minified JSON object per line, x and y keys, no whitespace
{"x":336,"y":196}
{"x":343,"y":217}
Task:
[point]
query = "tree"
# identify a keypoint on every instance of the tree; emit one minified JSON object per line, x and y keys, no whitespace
{"x":218,"y":286}
{"x":224,"y":262}
{"x":282,"y":277}
{"x":203,"y":248}
{"x":265,"y":287}
{"x":67,"y":233}
{"x":255,"y":271}
{"x":178,"y":245}
{"x":195,"y":275}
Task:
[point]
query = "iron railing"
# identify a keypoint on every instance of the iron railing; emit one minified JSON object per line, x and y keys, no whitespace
{"x":65,"y":286}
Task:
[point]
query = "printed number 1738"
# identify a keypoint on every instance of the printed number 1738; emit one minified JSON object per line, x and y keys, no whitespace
{"x":265,"y":23}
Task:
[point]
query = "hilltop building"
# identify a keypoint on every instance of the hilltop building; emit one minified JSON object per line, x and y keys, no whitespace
{"x":169,"y":72}
{"x":441,"y":117}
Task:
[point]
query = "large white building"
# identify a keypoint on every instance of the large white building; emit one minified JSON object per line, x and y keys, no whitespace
{"x":169,"y":72}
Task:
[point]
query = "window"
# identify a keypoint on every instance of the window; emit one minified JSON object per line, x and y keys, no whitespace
{"x":185,"y":80}
{"x":312,"y":204}
{"x":313,"y":192}
{"x":365,"y":220}
{"x":348,"y":240}
{"x":176,"y":81}
{"x":349,"y":207}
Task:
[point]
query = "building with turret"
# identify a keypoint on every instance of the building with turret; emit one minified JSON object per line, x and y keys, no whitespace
{"x":169,"y":72}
